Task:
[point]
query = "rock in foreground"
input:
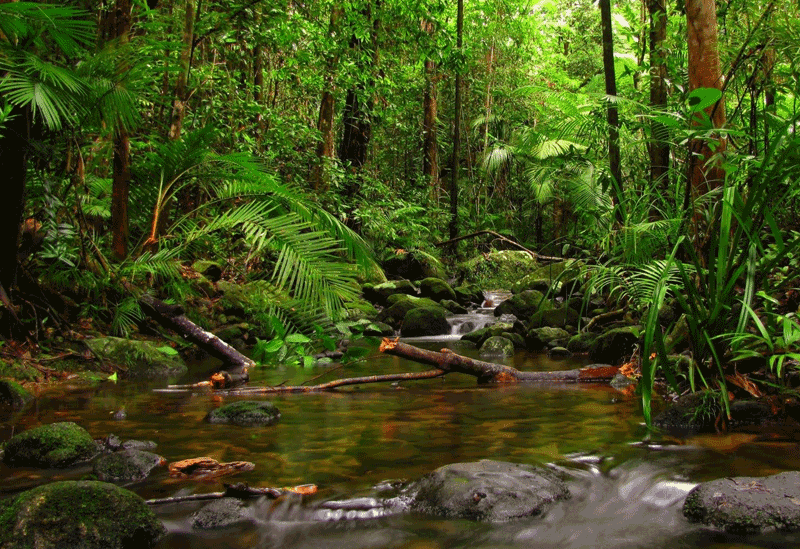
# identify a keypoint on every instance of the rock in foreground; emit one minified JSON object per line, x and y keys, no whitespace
{"x":746,"y":505}
{"x":487,"y":490}
{"x":78,"y":514}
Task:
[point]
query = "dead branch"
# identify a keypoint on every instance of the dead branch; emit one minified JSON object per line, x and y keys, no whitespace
{"x":502,"y":238}
{"x":172,"y":318}
{"x":489,"y":372}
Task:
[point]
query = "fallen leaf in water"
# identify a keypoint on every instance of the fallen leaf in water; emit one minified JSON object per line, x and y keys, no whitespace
{"x":206,"y":467}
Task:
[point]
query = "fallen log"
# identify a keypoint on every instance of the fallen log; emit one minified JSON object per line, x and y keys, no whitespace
{"x":490,"y":372}
{"x":172,"y":318}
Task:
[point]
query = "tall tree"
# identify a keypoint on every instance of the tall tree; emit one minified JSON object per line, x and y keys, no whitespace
{"x":705,"y":72}
{"x":327,"y":111}
{"x":430,"y":107}
{"x":456,"y":161}
{"x":611,"y":108}
{"x":120,"y":23}
{"x":658,"y":147}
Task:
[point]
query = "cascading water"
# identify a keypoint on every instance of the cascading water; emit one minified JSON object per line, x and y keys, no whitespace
{"x":481,"y":317}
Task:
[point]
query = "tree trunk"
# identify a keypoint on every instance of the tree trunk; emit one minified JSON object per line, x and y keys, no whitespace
{"x":327,"y":114}
{"x":181,"y":86}
{"x":14,"y":145}
{"x":658,"y":148}
{"x":121,"y":177}
{"x":456,"y":128}
{"x":611,"y":110}
{"x":704,"y":72}
{"x":430,"y":107}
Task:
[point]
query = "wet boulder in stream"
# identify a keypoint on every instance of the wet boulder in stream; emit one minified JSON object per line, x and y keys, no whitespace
{"x":487,"y":490}
{"x":436,"y":289}
{"x":127,"y":465}
{"x":523,"y":305}
{"x":78,"y":514}
{"x":55,"y":445}
{"x":747,"y":505}
{"x":425,"y":321}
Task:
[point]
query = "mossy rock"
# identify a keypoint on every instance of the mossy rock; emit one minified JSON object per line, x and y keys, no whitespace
{"x":453,"y":307}
{"x":516,"y":339}
{"x":523,"y":305}
{"x":414,"y":265}
{"x":561,"y":316}
{"x":126,"y":465}
{"x":78,"y":515}
{"x":380,"y":293}
{"x":400,"y":305}
{"x":564,"y":271}
{"x":361,"y":309}
{"x":426,"y":321}
{"x":616,"y":345}
{"x":540,"y":338}
{"x":498,"y":270}
{"x":582,"y":342}
{"x":559,"y":352}
{"x":378,"y":329}
{"x":212,"y":270}
{"x":246,"y":413}
{"x":55,"y":445}
{"x":14,"y":395}
{"x":479,"y":336}
{"x":497,"y":346}
{"x":531,"y":282}
{"x":222,"y":513}
{"x":143,"y":359}
{"x":469,"y":294}
{"x":243,"y":299}
{"x":436,"y":289}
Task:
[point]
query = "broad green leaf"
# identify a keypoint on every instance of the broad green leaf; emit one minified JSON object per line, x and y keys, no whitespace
{"x":167,"y":350}
{"x":297,"y":338}
{"x":702,"y":98}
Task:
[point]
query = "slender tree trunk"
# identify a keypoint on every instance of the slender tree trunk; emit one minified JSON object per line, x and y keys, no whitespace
{"x":612,"y":114}
{"x":768,"y":62}
{"x":326,"y":148}
{"x":121,"y":176}
{"x":14,"y":145}
{"x":658,"y":148}
{"x":704,"y":72}
{"x":181,"y":86}
{"x":430,"y":107}
{"x":456,"y":128}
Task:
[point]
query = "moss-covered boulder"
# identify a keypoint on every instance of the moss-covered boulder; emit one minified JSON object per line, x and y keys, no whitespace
{"x":413,"y":265}
{"x":700,"y":412}
{"x":540,"y":338}
{"x":497,"y":270}
{"x":237,"y":299}
{"x":78,"y":515}
{"x":515,"y":338}
{"x":246,"y":413}
{"x":522,"y":305}
{"x":492,"y":491}
{"x":469,"y":294}
{"x":399,"y":305}
{"x":379,"y":293}
{"x":126,"y":465}
{"x":559,"y":316}
{"x":497,"y":346}
{"x":479,"y":336}
{"x":141,"y":359}
{"x":55,"y":445}
{"x":14,"y":395}
{"x":453,"y":307}
{"x":747,"y":505}
{"x":581,"y":342}
{"x":616,"y":345}
{"x":436,"y":289}
{"x":212,"y":270}
{"x":361,"y":309}
{"x":532,"y":282}
{"x":425,"y":321}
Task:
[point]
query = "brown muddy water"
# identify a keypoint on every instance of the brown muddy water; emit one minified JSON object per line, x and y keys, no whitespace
{"x":627,"y":487}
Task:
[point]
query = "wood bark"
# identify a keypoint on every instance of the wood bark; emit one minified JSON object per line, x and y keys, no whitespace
{"x":430,"y":107}
{"x":121,"y":177}
{"x":611,"y":109}
{"x":172,"y":318}
{"x":326,"y":148}
{"x":658,"y":147}
{"x":181,"y":86}
{"x":456,"y":128}
{"x":705,"y":72}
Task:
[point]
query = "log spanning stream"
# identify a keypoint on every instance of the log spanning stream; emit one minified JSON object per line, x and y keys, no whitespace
{"x":627,"y":489}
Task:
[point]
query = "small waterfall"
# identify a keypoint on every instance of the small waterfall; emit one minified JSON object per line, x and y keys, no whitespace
{"x":481,"y":317}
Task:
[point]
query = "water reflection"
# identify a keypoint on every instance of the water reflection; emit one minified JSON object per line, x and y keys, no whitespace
{"x":625,"y":494}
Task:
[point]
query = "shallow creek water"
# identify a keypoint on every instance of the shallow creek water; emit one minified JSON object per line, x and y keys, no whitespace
{"x":627,"y":488}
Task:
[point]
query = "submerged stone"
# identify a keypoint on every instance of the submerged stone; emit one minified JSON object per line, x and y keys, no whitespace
{"x":220,"y":513}
{"x":245,"y":413}
{"x":488,"y":490}
{"x":80,"y":515}
{"x":498,"y":346}
{"x":55,"y":445}
{"x":747,"y":505}
{"x":126,"y":465}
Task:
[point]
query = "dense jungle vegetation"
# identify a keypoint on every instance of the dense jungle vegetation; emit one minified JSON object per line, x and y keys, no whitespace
{"x":303,"y":143}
